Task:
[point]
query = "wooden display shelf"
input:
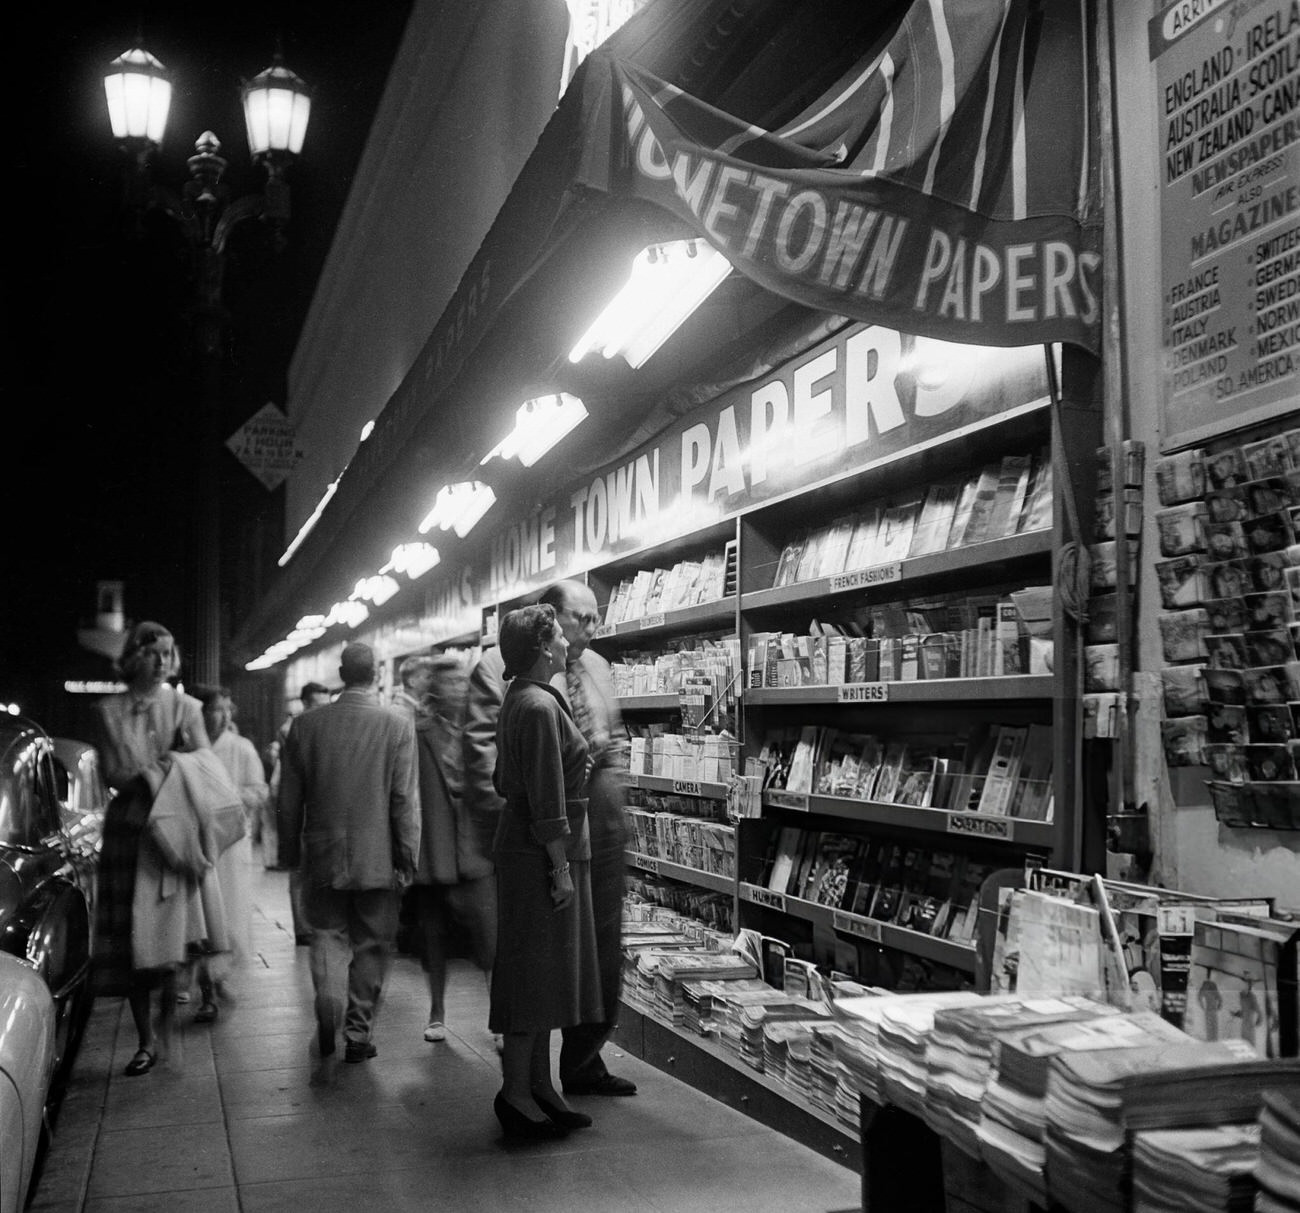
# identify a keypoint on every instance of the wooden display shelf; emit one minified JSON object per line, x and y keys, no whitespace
{"x":983,"y":826}
{"x":682,"y":787}
{"x":708,"y":1067}
{"x":943,"y":951}
{"x":677,"y":871}
{"x":926,"y":690}
{"x":703,"y":615}
{"x":648,"y":703}
{"x":888,"y":577}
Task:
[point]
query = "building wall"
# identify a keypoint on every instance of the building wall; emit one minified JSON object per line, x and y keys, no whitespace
{"x":468,"y":95}
{"x":1192,"y":850}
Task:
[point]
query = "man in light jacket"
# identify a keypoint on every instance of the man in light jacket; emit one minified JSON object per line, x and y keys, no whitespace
{"x":349,"y":805}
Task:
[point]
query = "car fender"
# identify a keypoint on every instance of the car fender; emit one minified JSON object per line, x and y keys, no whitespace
{"x":52,"y":933}
{"x":27,"y":1036}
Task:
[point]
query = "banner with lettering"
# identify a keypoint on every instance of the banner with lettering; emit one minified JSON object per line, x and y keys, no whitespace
{"x":943,"y":187}
{"x":859,"y":399}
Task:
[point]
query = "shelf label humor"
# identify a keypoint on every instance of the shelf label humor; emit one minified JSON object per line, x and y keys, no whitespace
{"x":862,"y":692}
{"x":863,"y":928}
{"x":880,"y":574}
{"x":1228,"y":77}
{"x":763,"y":897}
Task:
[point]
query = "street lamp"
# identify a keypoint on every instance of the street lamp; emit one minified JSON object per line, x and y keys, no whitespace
{"x":277,"y":107}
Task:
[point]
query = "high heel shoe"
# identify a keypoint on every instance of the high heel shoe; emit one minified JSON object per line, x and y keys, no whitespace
{"x":515,"y":1124}
{"x":566,"y":1118}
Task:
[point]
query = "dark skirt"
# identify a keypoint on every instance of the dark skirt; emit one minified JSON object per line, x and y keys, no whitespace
{"x":124,"y":822}
{"x":546,"y":974}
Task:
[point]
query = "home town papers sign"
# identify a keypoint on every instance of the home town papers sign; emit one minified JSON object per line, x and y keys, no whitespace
{"x":267,"y":445}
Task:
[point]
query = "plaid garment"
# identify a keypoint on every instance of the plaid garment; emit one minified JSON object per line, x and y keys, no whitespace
{"x":124,"y":821}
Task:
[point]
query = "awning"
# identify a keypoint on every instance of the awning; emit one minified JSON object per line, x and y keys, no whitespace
{"x":942,"y":187}
{"x":939,"y":187}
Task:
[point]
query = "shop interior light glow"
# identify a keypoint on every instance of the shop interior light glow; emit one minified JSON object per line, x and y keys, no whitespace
{"x":539,"y":425}
{"x":668,"y":282}
{"x":367,"y":429}
{"x":351,"y":614}
{"x":413,"y":559}
{"x":459,"y":507}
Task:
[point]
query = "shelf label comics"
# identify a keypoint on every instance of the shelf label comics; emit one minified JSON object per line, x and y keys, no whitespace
{"x":984,"y":827}
{"x":646,"y":864}
{"x":780,"y":799}
{"x":863,"y":928}
{"x":687,"y":787}
{"x":862,"y":692}
{"x":653,"y":621}
{"x":763,"y":897}
{"x":880,"y":574}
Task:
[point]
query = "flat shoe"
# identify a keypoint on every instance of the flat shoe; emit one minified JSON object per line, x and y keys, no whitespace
{"x":606,"y":1084}
{"x":359,"y":1050}
{"x":141,"y":1063}
{"x":435,"y":1032}
{"x":207,"y":1013}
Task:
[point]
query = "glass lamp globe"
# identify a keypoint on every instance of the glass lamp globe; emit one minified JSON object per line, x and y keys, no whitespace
{"x":277,"y":105}
{"x":139,"y":93}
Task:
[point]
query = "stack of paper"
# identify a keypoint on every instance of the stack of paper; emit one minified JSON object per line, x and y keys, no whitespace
{"x":673,"y":970}
{"x":1095,"y":1098}
{"x":959,"y":1055}
{"x":728,"y":1013}
{"x":859,"y":1019}
{"x":697,"y":1000}
{"x":756,"y":1020}
{"x":904,"y":1031}
{"x":823,"y":1069}
{"x":1278,"y":1173}
{"x":1012,"y":1127}
{"x":1195,"y":1170}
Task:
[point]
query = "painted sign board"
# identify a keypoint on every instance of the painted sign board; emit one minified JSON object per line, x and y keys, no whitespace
{"x":1228,"y":105}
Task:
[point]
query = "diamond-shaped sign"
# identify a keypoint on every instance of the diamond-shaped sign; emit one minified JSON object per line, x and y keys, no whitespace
{"x":267,"y":445}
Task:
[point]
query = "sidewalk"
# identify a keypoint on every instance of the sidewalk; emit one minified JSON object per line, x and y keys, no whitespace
{"x":244,"y":1121}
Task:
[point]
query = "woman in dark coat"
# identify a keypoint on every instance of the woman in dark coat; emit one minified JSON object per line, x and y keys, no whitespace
{"x":546,"y":974}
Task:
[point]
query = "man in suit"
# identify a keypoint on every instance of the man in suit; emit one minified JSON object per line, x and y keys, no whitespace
{"x":589,"y":687}
{"x":349,"y":806}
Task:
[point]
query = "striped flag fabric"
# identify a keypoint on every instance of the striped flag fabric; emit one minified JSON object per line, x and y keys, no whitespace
{"x":944,"y":186}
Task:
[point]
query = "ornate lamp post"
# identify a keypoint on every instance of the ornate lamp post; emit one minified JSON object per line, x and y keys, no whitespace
{"x":277,"y":106}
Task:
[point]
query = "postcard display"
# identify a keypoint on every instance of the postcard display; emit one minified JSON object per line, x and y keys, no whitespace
{"x":1230,"y":592}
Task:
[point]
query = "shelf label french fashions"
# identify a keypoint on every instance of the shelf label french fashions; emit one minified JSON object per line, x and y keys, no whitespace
{"x":983,"y":827}
{"x":862,"y":692}
{"x":863,"y":928}
{"x":880,"y":574}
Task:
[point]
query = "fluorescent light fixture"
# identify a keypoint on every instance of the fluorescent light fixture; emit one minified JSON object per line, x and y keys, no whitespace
{"x":458,"y":507}
{"x":351,"y":614}
{"x":668,"y":282}
{"x":539,"y":425}
{"x":305,"y":529}
{"x":413,"y":559}
{"x":377,"y":589}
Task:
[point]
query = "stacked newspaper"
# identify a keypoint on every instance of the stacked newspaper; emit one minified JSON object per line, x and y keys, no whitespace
{"x":698,"y":996}
{"x":960,"y":1050}
{"x":1012,"y":1127}
{"x":1278,"y":1172}
{"x":904,"y":1032}
{"x":1195,"y":1170}
{"x":673,"y":969}
{"x":1094,"y":1099}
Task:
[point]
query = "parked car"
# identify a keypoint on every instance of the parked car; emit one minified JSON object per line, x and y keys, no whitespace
{"x":46,"y":880}
{"x":27,"y":1062}
{"x":82,"y":791}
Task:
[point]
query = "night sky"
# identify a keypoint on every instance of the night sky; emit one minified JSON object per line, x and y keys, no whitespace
{"x":97,"y":430}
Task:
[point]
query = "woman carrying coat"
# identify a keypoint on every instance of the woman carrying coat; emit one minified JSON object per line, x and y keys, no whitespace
{"x":546,"y":974}
{"x":140,"y":941}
